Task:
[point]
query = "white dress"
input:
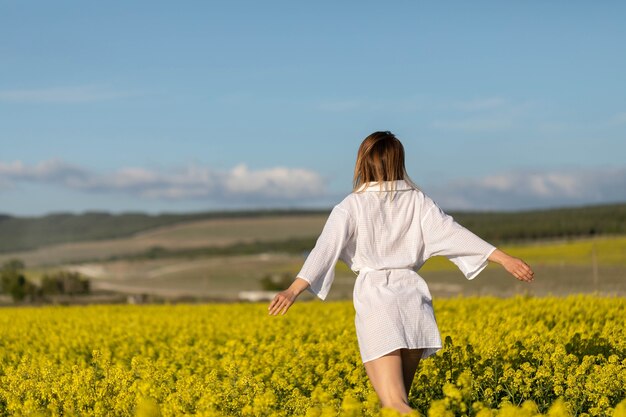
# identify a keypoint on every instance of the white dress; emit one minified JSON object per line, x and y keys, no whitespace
{"x":386,"y":236}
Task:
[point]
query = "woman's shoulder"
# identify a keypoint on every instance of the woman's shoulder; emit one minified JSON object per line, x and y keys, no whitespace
{"x":348,"y":203}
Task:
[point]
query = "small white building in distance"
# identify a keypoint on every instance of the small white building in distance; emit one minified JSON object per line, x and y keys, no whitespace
{"x":257,"y":295}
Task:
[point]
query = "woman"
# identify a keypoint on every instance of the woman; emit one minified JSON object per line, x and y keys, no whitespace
{"x":385,"y":230}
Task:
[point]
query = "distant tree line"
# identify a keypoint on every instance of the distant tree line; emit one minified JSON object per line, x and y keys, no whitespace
{"x":299,"y":245}
{"x":496,"y":227}
{"x":19,"y":233}
{"x":505,"y":227}
{"x":13,"y":282}
{"x":277,"y":282}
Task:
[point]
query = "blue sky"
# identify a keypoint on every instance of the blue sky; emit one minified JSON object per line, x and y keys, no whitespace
{"x":188,"y":106}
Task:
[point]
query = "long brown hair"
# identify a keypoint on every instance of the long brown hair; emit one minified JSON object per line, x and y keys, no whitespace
{"x":380,"y":158}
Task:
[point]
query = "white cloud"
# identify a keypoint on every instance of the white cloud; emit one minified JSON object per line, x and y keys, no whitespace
{"x":276,"y":182}
{"x":193,"y":182}
{"x":53,"y":170}
{"x":513,"y":190}
{"x":66,"y":94}
{"x":525,"y":189}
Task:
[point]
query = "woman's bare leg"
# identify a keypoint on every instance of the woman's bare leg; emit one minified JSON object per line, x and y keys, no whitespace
{"x":387,"y":378}
{"x":410,"y":360}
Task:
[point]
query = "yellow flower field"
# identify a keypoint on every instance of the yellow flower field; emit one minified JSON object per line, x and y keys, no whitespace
{"x":520,"y":356}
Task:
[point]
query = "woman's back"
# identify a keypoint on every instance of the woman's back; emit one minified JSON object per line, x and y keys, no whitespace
{"x":397,"y":227}
{"x":387,"y":229}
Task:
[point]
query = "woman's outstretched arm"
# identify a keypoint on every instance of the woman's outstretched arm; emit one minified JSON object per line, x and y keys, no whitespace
{"x":286,"y":298}
{"x":514,"y":266}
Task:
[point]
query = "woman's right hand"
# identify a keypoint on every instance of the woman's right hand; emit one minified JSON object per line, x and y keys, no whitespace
{"x":518,"y":268}
{"x":514,"y":266}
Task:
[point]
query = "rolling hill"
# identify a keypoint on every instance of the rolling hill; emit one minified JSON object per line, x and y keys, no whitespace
{"x":27,"y":233}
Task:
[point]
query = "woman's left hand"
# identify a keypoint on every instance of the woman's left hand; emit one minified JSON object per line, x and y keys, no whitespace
{"x":282,"y":301}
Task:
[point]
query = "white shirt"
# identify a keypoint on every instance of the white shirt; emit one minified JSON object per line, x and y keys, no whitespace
{"x":379,"y":229}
